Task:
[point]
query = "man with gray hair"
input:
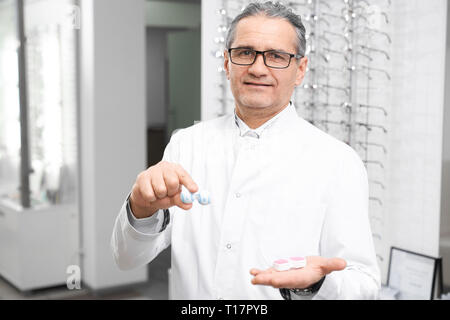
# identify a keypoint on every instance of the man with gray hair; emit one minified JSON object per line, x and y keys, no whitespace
{"x":282,"y":191}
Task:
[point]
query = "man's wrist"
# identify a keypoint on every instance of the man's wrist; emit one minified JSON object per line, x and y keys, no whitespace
{"x":311,"y":290}
{"x":140,"y":213}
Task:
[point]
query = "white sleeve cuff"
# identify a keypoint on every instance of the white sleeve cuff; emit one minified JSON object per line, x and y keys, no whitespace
{"x":352,"y":283}
{"x":150,"y":225}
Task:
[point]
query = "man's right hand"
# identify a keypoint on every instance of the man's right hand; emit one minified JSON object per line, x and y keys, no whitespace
{"x":159,"y":187}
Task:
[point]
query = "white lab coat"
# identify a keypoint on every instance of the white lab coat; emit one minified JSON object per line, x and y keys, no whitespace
{"x":293,"y":191}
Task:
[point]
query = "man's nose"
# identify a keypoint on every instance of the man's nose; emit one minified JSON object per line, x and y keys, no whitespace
{"x":258,"y":68}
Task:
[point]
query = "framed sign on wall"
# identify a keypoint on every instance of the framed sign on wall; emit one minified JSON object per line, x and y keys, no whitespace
{"x":414,"y":275}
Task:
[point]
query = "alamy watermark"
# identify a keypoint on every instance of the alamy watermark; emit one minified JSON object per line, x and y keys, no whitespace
{"x":72,"y":17}
{"x":74,"y":279}
{"x":65,"y":15}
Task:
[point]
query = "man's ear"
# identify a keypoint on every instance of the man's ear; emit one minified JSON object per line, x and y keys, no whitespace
{"x":301,"y":71}
{"x":226,"y":64}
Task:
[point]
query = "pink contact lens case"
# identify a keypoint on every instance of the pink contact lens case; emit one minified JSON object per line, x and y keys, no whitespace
{"x":297,"y":262}
{"x":281,"y":265}
{"x":291,"y":263}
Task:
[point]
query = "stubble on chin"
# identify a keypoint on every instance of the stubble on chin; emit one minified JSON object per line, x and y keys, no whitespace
{"x":254,"y":104}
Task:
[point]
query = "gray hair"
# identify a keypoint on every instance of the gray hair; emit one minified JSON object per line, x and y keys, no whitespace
{"x":271,"y":10}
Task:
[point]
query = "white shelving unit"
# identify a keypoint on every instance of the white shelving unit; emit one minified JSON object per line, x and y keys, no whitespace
{"x":30,"y":258}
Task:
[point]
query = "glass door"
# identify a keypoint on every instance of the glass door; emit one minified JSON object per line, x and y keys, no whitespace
{"x":38,"y":102}
{"x":10,"y":127}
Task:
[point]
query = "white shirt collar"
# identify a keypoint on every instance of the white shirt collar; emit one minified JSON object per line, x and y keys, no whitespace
{"x":256,"y":133}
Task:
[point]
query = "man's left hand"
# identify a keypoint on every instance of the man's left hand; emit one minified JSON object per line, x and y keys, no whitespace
{"x":316,"y":268}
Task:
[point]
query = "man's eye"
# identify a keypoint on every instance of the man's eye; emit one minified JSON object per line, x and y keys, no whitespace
{"x":276,"y":56}
{"x":246,"y":53}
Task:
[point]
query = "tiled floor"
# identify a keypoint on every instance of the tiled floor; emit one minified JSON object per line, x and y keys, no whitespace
{"x":155,"y":289}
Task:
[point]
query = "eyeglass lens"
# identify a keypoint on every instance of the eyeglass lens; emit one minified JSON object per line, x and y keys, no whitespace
{"x":274,"y":59}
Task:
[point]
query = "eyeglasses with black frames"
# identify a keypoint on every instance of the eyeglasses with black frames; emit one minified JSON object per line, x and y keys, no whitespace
{"x":272,"y":58}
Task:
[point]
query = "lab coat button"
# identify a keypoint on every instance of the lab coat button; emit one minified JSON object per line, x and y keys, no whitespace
{"x":228,"y":246}
{"x":238,"y":195}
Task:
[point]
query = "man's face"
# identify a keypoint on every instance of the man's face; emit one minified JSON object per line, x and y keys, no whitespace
{"x":258,"y":86}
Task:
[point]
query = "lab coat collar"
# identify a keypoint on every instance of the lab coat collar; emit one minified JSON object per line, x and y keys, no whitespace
{"x":286,"y":114}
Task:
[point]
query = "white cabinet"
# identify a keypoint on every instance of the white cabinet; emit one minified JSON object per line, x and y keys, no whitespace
{"x":37,"y":245}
